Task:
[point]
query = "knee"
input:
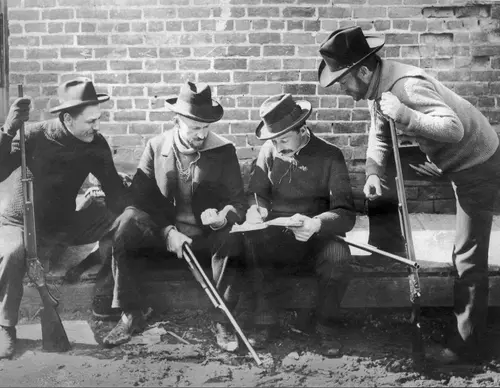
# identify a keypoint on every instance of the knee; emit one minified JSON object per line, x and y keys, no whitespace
{"x":13,"y":257}
{"x":335,"y":254}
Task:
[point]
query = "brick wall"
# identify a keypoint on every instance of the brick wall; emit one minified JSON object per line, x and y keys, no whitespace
{"x":139,"y":51}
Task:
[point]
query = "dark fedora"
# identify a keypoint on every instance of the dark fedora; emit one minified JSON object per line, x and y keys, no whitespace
{"x":280,"y":114}
{"x":344,"y":49}
{"x":195,"y":102}
{"x":77,"y":92}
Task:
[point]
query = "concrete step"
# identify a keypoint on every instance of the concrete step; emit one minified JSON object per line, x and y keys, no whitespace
{"x":376,"y":283}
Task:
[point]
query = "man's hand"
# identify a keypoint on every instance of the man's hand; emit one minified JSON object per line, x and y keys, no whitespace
{"x":213,"y":218}
{"x":256,"y":214}
{"x":308,"y":228}
{"x":19,"y":113}
{"x":373,"y":187}
{"x":175,"y":241}
{"x":389,"y":105}
{"x":428,"y":169}
{"x":93,"y":194}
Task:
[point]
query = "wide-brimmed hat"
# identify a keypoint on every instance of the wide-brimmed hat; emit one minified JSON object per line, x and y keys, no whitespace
{"x":195,"y":102}
{"x":344,"y":49}
{"x":77,"y":92}
{"x":280,"y":114}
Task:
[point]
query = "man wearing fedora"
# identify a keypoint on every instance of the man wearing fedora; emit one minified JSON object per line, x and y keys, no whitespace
{"x":60,"y":154}
{"x":187,"y":189}
{"x":300,"y":176}
{"x":455,"y":137}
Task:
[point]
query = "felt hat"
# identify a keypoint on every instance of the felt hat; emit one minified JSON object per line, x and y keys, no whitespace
{"x":77,"y":92}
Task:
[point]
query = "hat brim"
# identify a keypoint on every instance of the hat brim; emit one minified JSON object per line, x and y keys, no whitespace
{"x":327,"y":77}
{"x":101,"y":97}
{"x":216,"y":114}
{"x":263,"y":133}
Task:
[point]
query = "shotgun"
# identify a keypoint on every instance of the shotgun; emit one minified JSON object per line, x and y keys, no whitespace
{"x":54,"y":338}
{"x":214,"y":296}
{"x":413,"y":278}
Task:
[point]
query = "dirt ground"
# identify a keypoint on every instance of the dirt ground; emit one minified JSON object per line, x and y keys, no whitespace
{"x":376,"y":353}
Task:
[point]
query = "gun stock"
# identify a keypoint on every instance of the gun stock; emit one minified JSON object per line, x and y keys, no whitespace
{"x":54,"y":338}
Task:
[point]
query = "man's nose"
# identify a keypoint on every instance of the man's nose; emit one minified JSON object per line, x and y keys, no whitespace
{"x":95,"y":127}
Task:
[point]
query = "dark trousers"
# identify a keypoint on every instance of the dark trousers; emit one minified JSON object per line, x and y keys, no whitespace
{"x":476,"y":190}
{"x":275,"y":248}
{"x":135,"y":230}
{"x":88,"y":226}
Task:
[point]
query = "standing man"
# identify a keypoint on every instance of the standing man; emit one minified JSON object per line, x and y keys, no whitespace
{"x":300,"y":176}
{"x":454,"y":135}
{"x":60,"y":154}
{"x":187,"y":189}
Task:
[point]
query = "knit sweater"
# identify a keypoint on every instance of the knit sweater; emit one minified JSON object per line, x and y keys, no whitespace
{"x":449,"y":130}
{"x":315,"y":183}
{"x":59,"y":164}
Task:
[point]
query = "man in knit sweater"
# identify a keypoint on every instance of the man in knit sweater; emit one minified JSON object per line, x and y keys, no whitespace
{"x":305,"y":178}
{"x":60,"y":154}
{"x":187,"y":189}
{"x":456,"y":138}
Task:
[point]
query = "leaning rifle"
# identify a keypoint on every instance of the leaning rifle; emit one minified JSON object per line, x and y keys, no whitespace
{"x":54,"y":338}
{"x":413,"y":278}
{"x":214,"y":296}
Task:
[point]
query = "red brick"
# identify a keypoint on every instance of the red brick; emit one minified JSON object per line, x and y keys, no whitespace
{"x":299,"y":63}
{"x":229,"y":38}
{"x":243,"y":127}
{"x":194,"y":64}
{"x":29,"y":41}
{"x":143,"y":52}
{"x":299,"y":12}
{"x":143,"y":78}
{"x":30,"y":27}
{"x":312,"y":25}
{"x":156,"y":26}
{"x":369,"y":12}
{"x":125,"y":65}
{"x":124,"y":104}
{"x":61,"y":13}
{"x":143,"y":129}
{"x":127,"y":39}
{"x":236,"y":114}
{"x":243,"y":51}
{"x":438,"y":12}
{"x":279,"y":51}
{"x":334,"y":12}
{"x":89,"y":27}
{"x":84,"y":40}
{"x":404,"y":12}
{"x":418,"y":25}
{"x":36,"y":53}
{"x":161,"y":116}
{"x":360,"y":115}
{"x":245,"y":102}
{"x":194,"y":13}
{"x":38,"y":3}
{"x":277,"y":25}
{"x":349,"y":126}
{"x":127,"y":91}
{"x":309,"y":76}
{"x":169,"y":52}
{"x":127,"y":14}
{"x":131,"y":115}
{"x":299,"y":38}
{"x":284,"y":76}
{"x":264,"y":37}
{"x":271,"y":12}
{"x":479,"y":10}
{"x":173,"y":25}
{"x":224,"y":90}
{"x":260,"y":24}
{"x":58,"y":66}
{"x":294,"y":25}
{"x":230,"y":64}
{"x":419,"y":2}
{"x":333,"y":114}
{"x":43,"y":78}
{"x":176,"y":77}
{"x":159,"y":13}
{"x":401,"y":39}
{"x":24,"y":67}
{"x":24,"y":14}
{"x":249,"y":76}
{"x":265,"y":89}
{"x":211,"y":51}
{"x":57,"y":40}
{"x":214,"y":77}
{"x":345,"y":102}
{"x":110,"y":78}
{"x":237,"y":12}
{"x":196,"y":39}
{"x":264,"y":64}
{"x":110,"y":52}
{"x":190,"y":25}
{"x":401,"y":24}
{"x":300,"y":89}
{"x":490,"y":49}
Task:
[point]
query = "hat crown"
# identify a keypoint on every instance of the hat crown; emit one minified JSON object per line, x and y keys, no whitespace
{"x":344,"y":47}
{"x":280,"y":112}
{"x":78,"y":89}
{"x":199,"y":95}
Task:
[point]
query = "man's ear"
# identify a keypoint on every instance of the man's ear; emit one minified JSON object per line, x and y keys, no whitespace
{"x":364,"y":73}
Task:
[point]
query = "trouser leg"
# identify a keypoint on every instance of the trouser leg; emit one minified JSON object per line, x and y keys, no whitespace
{"x":333,"y":268}
{"x":12,"y":271}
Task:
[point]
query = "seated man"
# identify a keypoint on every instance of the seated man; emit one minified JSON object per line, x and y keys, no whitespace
{"x":187,"y":189}
{"x":60,"y":154}
{"x":298,"y":175}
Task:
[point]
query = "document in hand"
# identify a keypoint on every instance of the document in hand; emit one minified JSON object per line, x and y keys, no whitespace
{"x":280,"y":221}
